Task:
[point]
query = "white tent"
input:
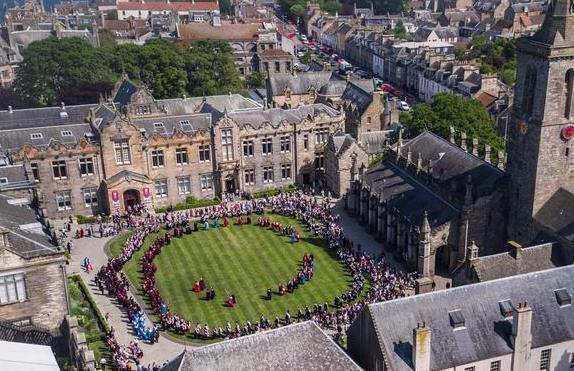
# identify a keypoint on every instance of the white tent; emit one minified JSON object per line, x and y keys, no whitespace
{"x":26,"y":357}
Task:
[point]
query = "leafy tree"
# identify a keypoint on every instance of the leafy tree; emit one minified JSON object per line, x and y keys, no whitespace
{"x":330,"y":6}
{"x":497,"y":56}
{"x":226,"y":7}
{"x":307,"y":58}
{"x":107,"y":38}
{"x":68,"y":70}
{"x":211,"y":69}
{"x":297,"y":10}
{"x":255,"y":80}
{"x":112,"y":15}
{"x":400,"y":31}
{"x":381,"y":6}
{"x":447,"y":110}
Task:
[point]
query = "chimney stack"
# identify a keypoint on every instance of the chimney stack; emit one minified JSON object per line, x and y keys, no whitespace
{"x":521,"y":336}
{"x":487,"y":153}
{"x":463,"y":141}
{"x":421,"y":347}
{"x":451,"y":137}
{"x":475,"y":146}
{"x":501,"y":160}
{"x":515,"y":249}
{"x":4,"y":237}
{"x":10,"y":110}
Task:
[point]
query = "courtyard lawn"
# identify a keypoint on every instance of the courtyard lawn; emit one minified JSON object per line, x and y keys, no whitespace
{"x":241,"y":260}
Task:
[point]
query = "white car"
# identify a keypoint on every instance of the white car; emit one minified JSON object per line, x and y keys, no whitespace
{"x":404,"y":106}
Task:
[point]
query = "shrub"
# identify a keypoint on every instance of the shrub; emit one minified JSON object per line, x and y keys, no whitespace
{"x":83,"y":219}
{"x":90,"y":300}
{"x":270,"y":192}
{"x":190,"y":203}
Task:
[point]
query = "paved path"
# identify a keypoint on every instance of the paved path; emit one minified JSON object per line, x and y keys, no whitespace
{"x":93,"y":248}
{"x":166,"y":349}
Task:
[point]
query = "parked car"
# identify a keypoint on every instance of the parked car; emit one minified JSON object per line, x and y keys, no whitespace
{"x":404,"y":106}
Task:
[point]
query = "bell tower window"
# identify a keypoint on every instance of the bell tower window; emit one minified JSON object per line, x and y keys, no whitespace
{"x":569,"y":90}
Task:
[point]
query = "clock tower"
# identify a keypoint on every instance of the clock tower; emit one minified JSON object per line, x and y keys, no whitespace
{"x":541,"y":141}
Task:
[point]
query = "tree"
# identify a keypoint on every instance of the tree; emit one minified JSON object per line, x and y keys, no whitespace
{"x":255,"y":80}
{"x":68,"y":70}
{"x":112,"y":15}
{"x":210,"y":68}
{"x":447,"y":110}
{"x":297,"y":10}
{"x":226,"y":7}
{"x":400,"y":31}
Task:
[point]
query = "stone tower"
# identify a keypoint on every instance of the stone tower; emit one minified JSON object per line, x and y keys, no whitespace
{"x":540,"y":157}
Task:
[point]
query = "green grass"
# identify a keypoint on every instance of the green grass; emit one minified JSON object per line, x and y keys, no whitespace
{"x":244,"y":261}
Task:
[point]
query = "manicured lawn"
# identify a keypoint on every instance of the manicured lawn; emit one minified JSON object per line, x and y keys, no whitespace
{"x":243,"y":260}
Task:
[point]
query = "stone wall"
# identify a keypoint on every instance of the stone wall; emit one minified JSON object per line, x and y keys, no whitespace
{"x":46,"y":303}
{"x":82,"y":358}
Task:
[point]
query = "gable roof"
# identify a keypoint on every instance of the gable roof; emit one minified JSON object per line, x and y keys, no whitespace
{"x":448,"y":163}
{"x":557,"y":214}
{"x":487,"y":332}
{"x":300,"y":83}
{"x":300,"y":346}
{"x":359,"y":93}
{"x":169,"y":6}
{"x":227,"y":31}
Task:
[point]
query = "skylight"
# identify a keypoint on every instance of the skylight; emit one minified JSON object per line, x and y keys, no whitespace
{"x":36,"y":136}
{"x":66,"y":133}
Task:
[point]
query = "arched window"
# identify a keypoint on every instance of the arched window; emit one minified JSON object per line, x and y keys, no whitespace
{"x":528,"y":92}
{"x":569,"y":91}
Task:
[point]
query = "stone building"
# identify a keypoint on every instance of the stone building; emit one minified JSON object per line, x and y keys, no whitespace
{"x":99,"y":158}
{"x":300,"y":346}
{"x":33,"y":294}
{"x":427,"y":201}
{"x":516,"y":323}
{"x":292,"y":89}
{"x":540,"y":164}
{"x":272,"y":61}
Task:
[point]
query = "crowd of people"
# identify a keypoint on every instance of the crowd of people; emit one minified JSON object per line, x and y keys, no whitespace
{"x":385,"y":283}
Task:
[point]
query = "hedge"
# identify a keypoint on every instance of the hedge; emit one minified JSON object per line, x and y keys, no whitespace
{"x":274,"y":191}
{"x":190,"y":203}
{"x":90,"y":300}
{"x":82,"y":219}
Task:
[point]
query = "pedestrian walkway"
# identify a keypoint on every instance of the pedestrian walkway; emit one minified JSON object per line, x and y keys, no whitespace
{"x":93,"y":248}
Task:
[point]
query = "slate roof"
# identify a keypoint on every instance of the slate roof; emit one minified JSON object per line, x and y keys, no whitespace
{"x":374,"y":141}
{"x":449,"y":163}
{"x":274,"y":116}
{"x":557,"y":214}
{"x":301,"y":346}
{"x":172,"y":123}
{"x":528,"y":7}
{"x":14,"y":139}
{"x":300,"y":83}
{"x":532,"y":259}
{"x":27,"y":237}
{"x":486,"y":333}
{"x":43,"y":117}
{"x":340,"y":142}
{"x":407,"y":195}
{"x":13,"y":173}
{"x":173,"y":6}
{"x":359,"y":94}
{"x":333,"y":89}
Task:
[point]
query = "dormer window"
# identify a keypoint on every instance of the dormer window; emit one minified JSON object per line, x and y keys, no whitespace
{"x":159,"y":127}
{"x":36,"y":136}
{"x":66,"y":133}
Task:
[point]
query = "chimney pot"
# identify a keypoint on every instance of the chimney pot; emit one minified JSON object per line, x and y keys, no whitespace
{"x":10,"y":109}
{"x":421,"y":348}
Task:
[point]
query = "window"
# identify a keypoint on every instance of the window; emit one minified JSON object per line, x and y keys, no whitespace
{"x":249,"y":176}
{"x":267,"y":146}
{"x":86,"y":166}
{"x":12,"y":288}
{"x":204,"y":153}
{"x":369,"y":120}
{"x":287,"y":94}
{"x":161,"y":187}
{"x":529,"y":91}
{"x":471,"y":368}
{"x":495,"y":366}
{"x":277,"y":67}
{"x":286,"y":172}
{"x":183,"y":185}
{"x":91,"y":197}
{"x":36,"y":136}
{"x":545,"y":359}
{"x":319,"y":161}
{"x":288,"y":66}
{"x":181,"y":156}
{"x":66,"y":133}
{"x":285,"y":144}
{"x":321,"y":136}
{"x":306,"y":142}
{"x":35,"y":171}
{"x":227,"y":144}
{"x":185,"y":125}
{"x":206,"y":181}
{"x":59,"y":169}
{"x":572,"y":360}
{"x":569,"y":90}
{"x":122,"y":149}
{"x":268,"y":174}
{"x":159,"y":127}
{"x":157,"y":159}
{"x":3,"y":180}
{"x":248,"y":148}
{"x":64,"y":200}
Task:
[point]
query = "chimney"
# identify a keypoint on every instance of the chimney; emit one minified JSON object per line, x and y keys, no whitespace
{"x":4,"y":237}
{"x":63,"y":105}
{"x":463,"y":141}
{"x":10,"y":110}
{"x":501,"y":160}
{"x":487,"y":153}
{"x":521,"y":336}
{"x":420,"y":163}
{"x":421,"y":347}
{"x":515,"y":249}
{"x":475,"y":146}
{"x":451,"y":137}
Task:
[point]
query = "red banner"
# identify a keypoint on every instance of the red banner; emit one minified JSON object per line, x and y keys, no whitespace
{"x":146,"y":192}
{"x":115,"y":196}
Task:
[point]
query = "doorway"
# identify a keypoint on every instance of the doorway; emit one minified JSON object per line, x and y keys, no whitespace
{"x":230,"y":184}
{"x":131,"y":199}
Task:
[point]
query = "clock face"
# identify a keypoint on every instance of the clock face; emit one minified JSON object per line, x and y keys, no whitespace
{"x":568,"y":132}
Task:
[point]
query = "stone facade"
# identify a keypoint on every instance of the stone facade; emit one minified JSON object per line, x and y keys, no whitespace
{"x":161,"y":152}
